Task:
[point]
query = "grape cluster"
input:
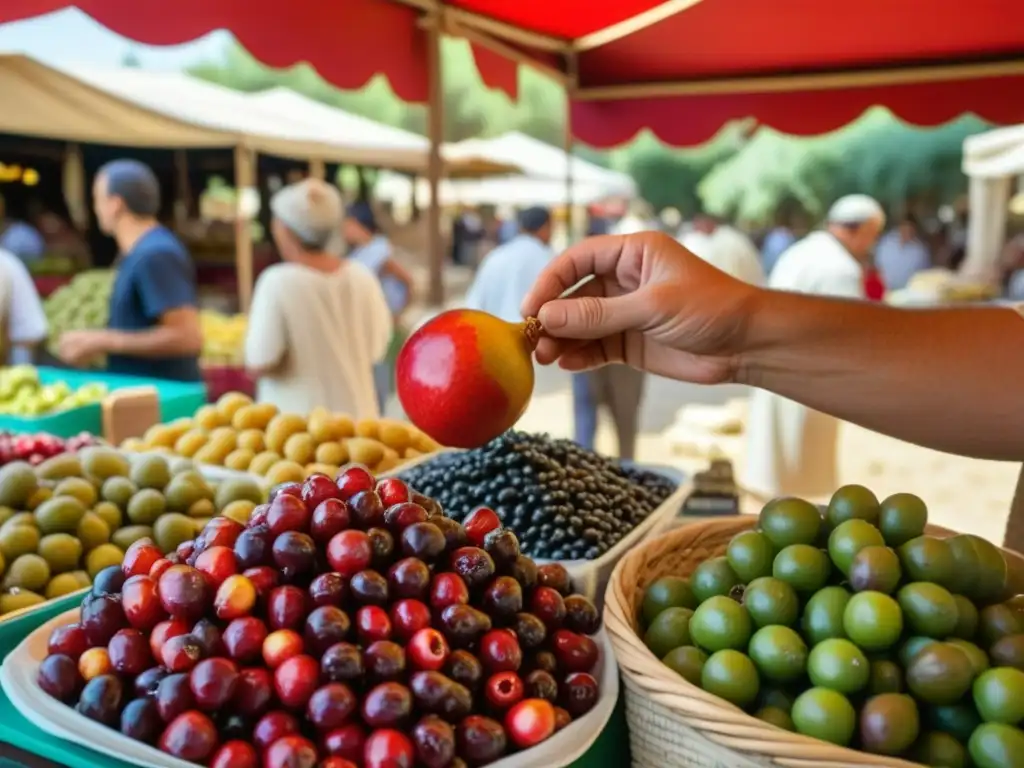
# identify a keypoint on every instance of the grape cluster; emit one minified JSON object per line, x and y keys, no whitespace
{"x":563,"y":501}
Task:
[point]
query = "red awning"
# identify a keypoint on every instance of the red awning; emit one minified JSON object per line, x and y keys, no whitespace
{"x":681,"y":67}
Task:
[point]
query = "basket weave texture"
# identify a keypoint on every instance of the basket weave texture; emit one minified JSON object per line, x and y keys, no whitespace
{"x":673,"y":724}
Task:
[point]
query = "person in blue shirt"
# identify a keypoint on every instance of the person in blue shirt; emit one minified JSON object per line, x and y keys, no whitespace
{"x":901,"y":254}
{"x":19,"y":237}
{"x":153,"y":329}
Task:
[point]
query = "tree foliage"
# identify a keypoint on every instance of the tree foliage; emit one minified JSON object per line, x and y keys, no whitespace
{"x":879,"y":155}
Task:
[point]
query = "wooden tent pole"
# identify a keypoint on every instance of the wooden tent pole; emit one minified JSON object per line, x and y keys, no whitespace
{"x":182,"y":189}
{"x":245,"y":179}
{"x":570,"y":231}
{"x":435,"y":165}
{"x":317,"y":169}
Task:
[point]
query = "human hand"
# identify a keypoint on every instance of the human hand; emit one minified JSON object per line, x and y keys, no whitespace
{"x":651,"y":304}
{"x":78,"y":348}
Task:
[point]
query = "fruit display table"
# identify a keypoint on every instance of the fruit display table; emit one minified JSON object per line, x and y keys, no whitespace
{"x":18,"y":735}
{"x":177,"y":399}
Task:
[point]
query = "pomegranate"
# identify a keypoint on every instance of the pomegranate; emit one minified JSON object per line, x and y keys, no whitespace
{"x":465,"y":376}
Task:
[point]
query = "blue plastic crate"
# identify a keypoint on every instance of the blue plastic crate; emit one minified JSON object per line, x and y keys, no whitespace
{"x":177,"y":399}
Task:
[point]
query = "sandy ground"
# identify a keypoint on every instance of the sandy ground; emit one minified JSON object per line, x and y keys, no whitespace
{"x":963,"y":494}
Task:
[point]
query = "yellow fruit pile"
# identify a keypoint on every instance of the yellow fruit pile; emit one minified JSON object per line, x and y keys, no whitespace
{"x":242,"y":435}
{"x":223,"y":338}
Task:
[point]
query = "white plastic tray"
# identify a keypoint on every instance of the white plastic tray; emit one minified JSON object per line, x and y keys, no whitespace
{"x":18,"y":678}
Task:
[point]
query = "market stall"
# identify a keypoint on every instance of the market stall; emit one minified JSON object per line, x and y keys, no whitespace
{"x":993,"y":162}
{"x":129,"y":107}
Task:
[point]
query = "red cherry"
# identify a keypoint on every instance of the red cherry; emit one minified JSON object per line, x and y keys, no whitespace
{"x":349,"y":552}
{"x":258,"y":516}
{"x":548,"y":606}
{"x":285,"y":489}
{"x":500,"y":651}
{"x":530,"y":722}
{"x":191,"y":736}
{"x":505,"y":689}
{"x":372,"y":624}
{"x":337,"y":762}
{"x":317,"y":489}
{"x":213,"y":683}
{"x":353,"y":479}
{"x":141,"y":602}
{"x":287,"y":513}
{"x":70,"y":640}
{"x":163,"y":632}
{"x":330,"y":517}
{"x":236,"y":754}
{"x":159,"y":567}
{"x":393,"y":491}
{"x":575,"y":653}
{"x":263,"y":577}
{"x":139,"y":558}
{"x":448,"y":589}
{"x":479,"y":523}
{"x":428,"y":650}
{"x":345,"y":742}
{"x":387,"y":748}
{"x":272,"y":726}
{"x":290,"y":752}
{"x":408,"y":617}
{"x":296,"y":680}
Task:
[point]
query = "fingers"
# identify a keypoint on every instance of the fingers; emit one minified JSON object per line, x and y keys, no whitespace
{"x":594,"y":317}
{"x":593,"y":256}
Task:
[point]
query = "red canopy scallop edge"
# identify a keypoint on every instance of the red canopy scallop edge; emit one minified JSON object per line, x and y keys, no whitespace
{"x":680,"y":67}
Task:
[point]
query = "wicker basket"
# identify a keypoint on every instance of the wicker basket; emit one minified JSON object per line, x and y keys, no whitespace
{"x":673,"y":724}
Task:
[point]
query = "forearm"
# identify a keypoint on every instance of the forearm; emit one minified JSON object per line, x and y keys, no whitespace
{"x":942,"y":378}
{"x":160,"y":341}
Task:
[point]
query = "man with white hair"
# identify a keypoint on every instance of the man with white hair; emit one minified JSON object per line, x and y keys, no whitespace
{"x":318,"y":323}
{"x":791,"y":449}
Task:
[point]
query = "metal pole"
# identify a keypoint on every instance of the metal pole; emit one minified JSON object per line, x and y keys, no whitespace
{"x":435,"y":165}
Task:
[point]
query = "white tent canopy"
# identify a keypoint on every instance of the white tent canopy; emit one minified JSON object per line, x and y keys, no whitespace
{"x":542,"y":182}
{"x":366,"y":133}
{"x":497,"y":190}
{"x":539,"y":160}
{"x":992,"y":161}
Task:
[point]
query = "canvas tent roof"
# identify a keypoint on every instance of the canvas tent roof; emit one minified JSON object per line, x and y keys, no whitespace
{"x":347,"y":127}
{"x":540,"y":160}
{"x":542,"y":181}
{"x":140,"y":108}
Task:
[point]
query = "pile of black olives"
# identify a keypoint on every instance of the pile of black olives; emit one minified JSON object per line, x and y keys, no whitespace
{"x":563,"y":501}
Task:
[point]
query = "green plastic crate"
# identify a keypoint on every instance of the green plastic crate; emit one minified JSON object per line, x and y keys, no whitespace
{"x":611,"y":750}
{"x":177,"y":399}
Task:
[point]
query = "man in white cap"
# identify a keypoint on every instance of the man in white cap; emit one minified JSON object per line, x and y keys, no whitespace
{"x":318,"y":323}
{"x":791,"y":449}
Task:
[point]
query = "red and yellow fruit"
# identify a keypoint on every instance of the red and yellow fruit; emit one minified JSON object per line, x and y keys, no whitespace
{"x":466,"y":376}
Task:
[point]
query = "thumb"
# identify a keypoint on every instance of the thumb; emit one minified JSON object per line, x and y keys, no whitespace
{"x":594,"y":317}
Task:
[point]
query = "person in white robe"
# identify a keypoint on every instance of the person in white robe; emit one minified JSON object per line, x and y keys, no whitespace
{"x":725,"y":247}
{"x":791,"y":449}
